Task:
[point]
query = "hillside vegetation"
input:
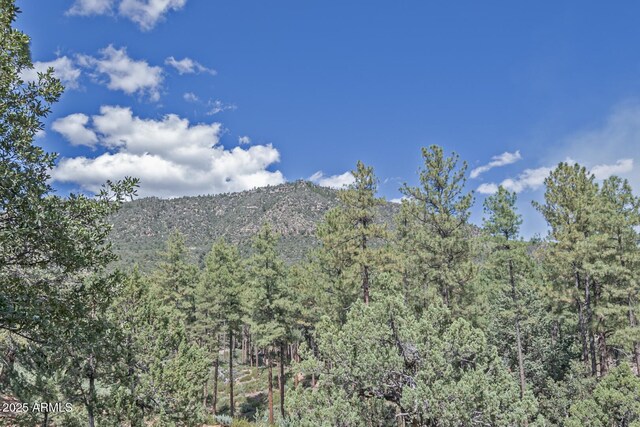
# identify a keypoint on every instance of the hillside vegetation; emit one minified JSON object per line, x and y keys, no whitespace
{"x":141,"y":227}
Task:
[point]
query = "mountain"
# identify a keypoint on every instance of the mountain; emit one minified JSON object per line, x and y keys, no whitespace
{"x":141,"y":227}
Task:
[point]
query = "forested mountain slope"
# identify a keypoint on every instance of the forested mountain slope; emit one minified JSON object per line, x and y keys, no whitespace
{"x":141,"y":227}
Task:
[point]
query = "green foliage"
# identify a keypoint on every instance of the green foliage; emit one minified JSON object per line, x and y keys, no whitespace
{"x":429,"y":369}
{"x":615,"y":401}
{"x":270,"y":302}
{"x":435,"y":216}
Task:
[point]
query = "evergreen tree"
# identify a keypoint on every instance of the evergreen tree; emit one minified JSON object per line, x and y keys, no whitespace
{"x":571,"y":209}
{"x":176,"y":281}
{"x":387,"y":363}
{"x":44,"y":239}
{"x":352,"y":240}
{"x":437,"y":212}
{"x":270,"y":305}
{"x":161,"y":372}
{"x":219,"y":302}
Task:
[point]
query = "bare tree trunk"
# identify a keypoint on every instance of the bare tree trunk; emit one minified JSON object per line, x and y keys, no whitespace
{"x":588,"y":321}
{"x":604,"y":355}
{"x":231,"y":403}
{"x":215,"y":382}
{"x":581,"y":320}
{"x":45,"y":420}
{"x":365,"y":269}
{"x":244,"y":345}
{"x":91,"y":402}
{"x":257,"y":357}
{"x":270,"y":393}
{"x":282,"y":379}
{"x":295,"y":357}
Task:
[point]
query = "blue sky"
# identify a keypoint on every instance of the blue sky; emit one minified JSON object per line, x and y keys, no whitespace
{"x":290,"y":89}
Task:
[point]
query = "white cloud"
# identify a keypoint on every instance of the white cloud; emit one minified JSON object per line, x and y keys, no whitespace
{"x":503,"y":159}
{"x":73,"y":128}
{"x":333,"y":181}
{"x":63,"y":68}
{"x":124,"y":73}
{"x":487,"y":188}
{"x":188,"y":66}
{"x":604,"y":171}
{"x":190,"y":97}
{"x":171,"y":157}
{"x":218,"y":106}
{"x":91,"y":7}
{"x":532,"y":179}
{"x":398,"y":199}
{"x":244,"y":140}
{"x":145,"y":13}
{"x":40,"y":134}
{"x":529,"y":179}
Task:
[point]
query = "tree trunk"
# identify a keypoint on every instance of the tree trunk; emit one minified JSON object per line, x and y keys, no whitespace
{"x":588,"y":321}
{"x":604,"y":355}
{"x":282,"y":379}
{"x":45,"y":420}
{"x":636,"y":346}
{"x":205,"y":393}
{"x":244,"y":345}
{"x":581,"y":322}
{"x":216,"y":367}
{"x":296,"y":358}
{"x":257,"y":357}
{"x":231,"y":403}
{"x":91,"y":402}
{"x":270,"y":392}
{"x":514,"y":296}
{"x":365,"y":270}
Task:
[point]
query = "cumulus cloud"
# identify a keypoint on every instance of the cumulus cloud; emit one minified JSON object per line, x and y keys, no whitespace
{"x":532,"y":179}
{"x":145,"y":13}
{"x":73,"y":128}
{"x":188,"y":66}
{"x":503,"y":159}
{"x":124,"y":73}
{"x":171,"y":156}
{"x":487,"y":188}
{"x":63,"y":68}
{"x":91,"y":7}
{"x":333,"y":181}
{"x":621,"y":167}
{"x":244,"y":140}
{"x":529,"y":179}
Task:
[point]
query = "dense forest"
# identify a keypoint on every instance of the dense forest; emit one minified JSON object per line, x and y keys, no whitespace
{"x":430,"y":322}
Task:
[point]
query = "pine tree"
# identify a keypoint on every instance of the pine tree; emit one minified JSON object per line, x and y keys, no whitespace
{"x":270,"y":305}
{"x":219,"y":302}
{"x":176,"y":280}
{"x":618,"y":222}
{"x":437,"y":212}
{"x":503,"y":223}
{"x":353,"y":242}
{"x":571,"y":210}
